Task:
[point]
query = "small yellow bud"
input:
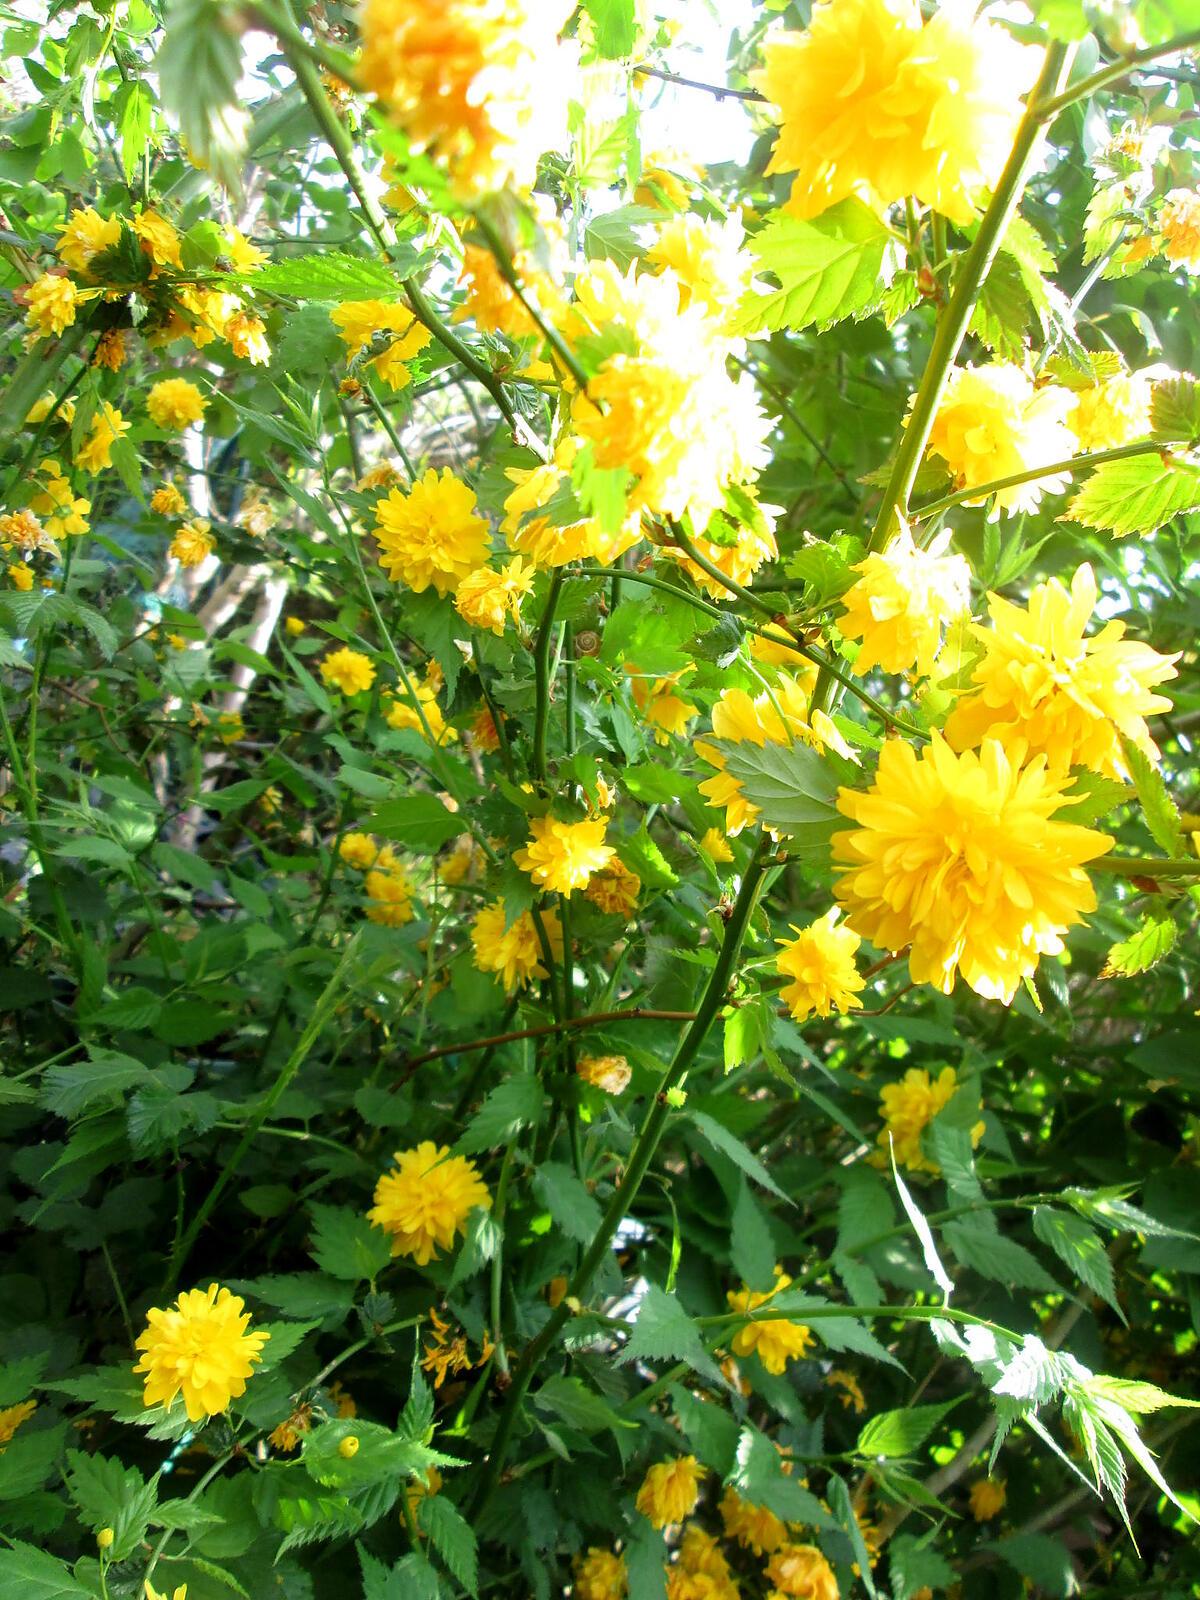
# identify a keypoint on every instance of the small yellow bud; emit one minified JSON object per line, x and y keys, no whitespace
{"x":348,"y":1448}
{"x":105,"y":1537}
{"x":676,"y":1097}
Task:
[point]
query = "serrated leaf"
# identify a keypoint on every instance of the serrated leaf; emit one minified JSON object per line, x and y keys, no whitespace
{"x":1175,"y":409}
{"x":751,"y":1245}
{"x":419,"y":822}
{"x":742,"y":1157}
{"x":793,"y":786}
{"x":510,"y":1106}
{"x":328,"y":275}
{"x":1136,"y":495}
{"x":996,"y":1257}
{"x":899,"y":1433}
{"x":109,"y":1494}
{"x":913,"y":1565}
{"x":1046,"y":1562}
{"x":1143,"y":949}
{"x":346,"y":1245}
{"x":830,"y":268}
{"x":1080,"y":1249}
{"x":70,"y":1089}
{"x":1093,"y":796}
{"x":1159,"y":811}
{"x":664,"y":1332}
{"x":452,"y":1536}
{"x":199,"y":67}
{"x":34,"y":1575}
{"x":567,"y":1199}
{"x":579,"y":1407}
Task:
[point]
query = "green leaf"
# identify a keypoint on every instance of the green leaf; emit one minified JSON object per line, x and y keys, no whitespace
{"x":828,"y":269}
{"x":68,"y":1090}
{"x":568,"y":1201}
{"x":899,"y":1433}
{"x":111,"y":1495}
{"x":328,"y":275}
{"x":510,"y":1106}
{"x":1094,"y":796}
{"x":617,"y":235}
{"x":1046,"y":1562}
{"x":381,"y":1455}
{"x":912,"y":1565}
{"x":615,"y":25}
{"x":751,"y":1244}
{"x":1110,"y":1209}
{"x":18,"y":1378}
{"x":843,"y":1508}
{"x":664,"y":1332}
{"x":419,"y":822}
{"x":134,"y":105}
{"x":452,"y":1536}
{"x":1080,"y":1249}
{"x":730,"y":1145}
{"x":709,"y":1428}
{"x":1175,"y":409}
{"x":1159,"y":811}
{"x":1134,"y":1395}
{"x":1137,"y":495}
{"x":34,"y":1575}
{"x":579,"y":1407}
{"x":794,"y":787}
{"x":1143,"y":949}
{"x":996,"y":1257}
{"x":759,"y":1477}
{"x":199,"y":67}
{"x":345,"y":1245}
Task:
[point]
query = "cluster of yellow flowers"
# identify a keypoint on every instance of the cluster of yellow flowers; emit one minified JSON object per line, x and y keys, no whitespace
{"x":513,"y":949}
{"x":387,"y":883}
{"x":361,"y":322}
{"x":908,"y":1107}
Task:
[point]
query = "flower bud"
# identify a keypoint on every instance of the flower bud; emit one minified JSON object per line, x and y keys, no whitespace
{"x":105,"y":1537}
{"x":348,"y":1448}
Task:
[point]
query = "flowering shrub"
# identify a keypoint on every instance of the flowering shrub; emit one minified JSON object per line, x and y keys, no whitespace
{"x":598,"y":819}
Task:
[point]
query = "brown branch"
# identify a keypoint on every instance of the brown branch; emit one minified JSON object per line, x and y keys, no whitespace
{"x":718,"y":90}
{"x":634,"y":1014}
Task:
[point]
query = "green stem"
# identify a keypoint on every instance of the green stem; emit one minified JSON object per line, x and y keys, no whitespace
{"x":389,"y":428}
{"x":714,"y":572}
{"x":497,"y":1283}
{"x":952,"y":327}
{"x":1148,"y":866}
{"x":509,"y":273}
{"x":321,"y":1013}
{"x":541,"y":663}
{"x":640,"y":1157}
{"x":1052,"y":469}
{"x":1049,"y":109}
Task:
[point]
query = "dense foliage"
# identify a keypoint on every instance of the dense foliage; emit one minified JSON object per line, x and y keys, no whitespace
{"x":598,"y":839}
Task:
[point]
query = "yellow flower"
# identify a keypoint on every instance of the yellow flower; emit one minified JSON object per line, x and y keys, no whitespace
{"x":755,"y":1528}
{"x":270,"y":801}
{"x":230,"y":727}
{"x":358,"y":850}
{"x":208,"y":315}
{"x":462,"y":862}
{"x":50,"y":304}
{"x":665,"y":711}
{"x":248,"y":337}
{"x":600,"y":1575}
{"x":776,"y":1341}
{"x":404,"y":714}
{"x":663,"y":406}
{"x":849,"y":1390}
{"x":484,"y":733}
{"x":174,"y":404}
{"x":615,"y":890}
{"x":358,"y":321}
{"x":876,"y":104}
{"x":485,"y":598}
{"x":105,"y":1538}
{"x":11,"y":1418}
{"x":962,"y":858}
{"x":700,"y":1571}
{"x":1063,"y":695}
{"x":84,"y":235}
{"x":670,"y":1490}
{"x":159,"y":239}
{"x":563,"y":856}
{"x":1179,"y":224}
{"x":431,"y":535}
{"x":662,"y":186}
{"x":778,"y":717}
{"x":22,"y":576}
{"x":610,"y":1073}
{"x":108,"y":425}
{"x":178,"y":642}
{"x":716,"y":847}
{"x":547,"y":544}
{"x":801,"y":1571}
{"x":389,"y":893}
{"x":64,"y":513}
{"x":295,"y":626}
{"x":1112,"y":412}
{"x":711,"y":267}
{"x":193,"y":543}
{"x":908,"y":1107}
{"x":417,"y":1488}
{"x":167,"y":501}
{"x":111,"y":352}
{"x":291,"y":1430}
{"x":987,"y":1497}
{"x":425,"y":1200}
{"x":198,"y":1347}
{"x":491,"y":302}
{"x":901,"y":603}
{"x":381,"y":476}
{"x":348,"y":671}
{"x":41,"y":409}
{"x":820,"y":963}
{"x":738,"y":561}
{"x":992,"y":423}
{"x":153,"y":1594}
{"x":483,"y":87}
{"x":244,"y":256}
{"x":514,"y":952}
{"x":256,"y":514}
